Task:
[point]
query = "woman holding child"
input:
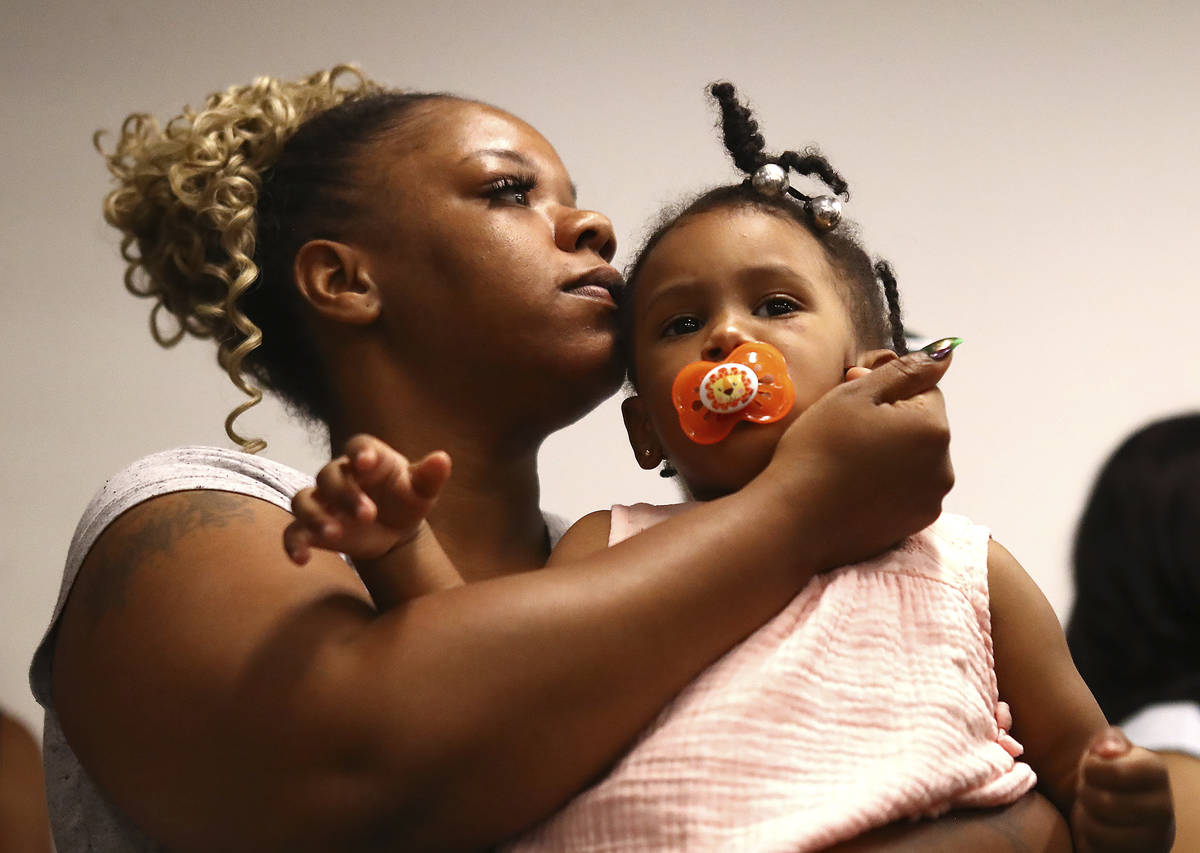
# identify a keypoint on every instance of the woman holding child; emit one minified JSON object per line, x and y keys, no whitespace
{"x":414,"y":267}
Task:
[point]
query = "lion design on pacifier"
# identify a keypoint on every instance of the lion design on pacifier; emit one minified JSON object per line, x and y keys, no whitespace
{"x":752,"y":384}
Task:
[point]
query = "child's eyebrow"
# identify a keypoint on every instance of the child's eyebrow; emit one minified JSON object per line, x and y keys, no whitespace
{"x":673,"y":288}
{"x":750,"y":277}
{"x":773,"y":270}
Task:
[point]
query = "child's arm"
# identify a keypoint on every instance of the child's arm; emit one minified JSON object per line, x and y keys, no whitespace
{"x":371,"y":504}
{"x":584,"y":538}
{"x":1116,"y":796}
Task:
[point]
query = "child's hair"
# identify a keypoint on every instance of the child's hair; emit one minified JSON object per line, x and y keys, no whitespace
{"x":213,"y":206}
{"x":1134,"y":631}
{"x":869,"y":290}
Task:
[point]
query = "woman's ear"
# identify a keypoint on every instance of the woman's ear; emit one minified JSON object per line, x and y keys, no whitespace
{"x":332,"y":279}
{"x":642,"y":438}
{"x":868,"y":361}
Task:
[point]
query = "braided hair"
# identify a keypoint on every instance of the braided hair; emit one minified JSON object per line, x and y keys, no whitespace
{"x":869,"y":290}
{"x":213,"y":205}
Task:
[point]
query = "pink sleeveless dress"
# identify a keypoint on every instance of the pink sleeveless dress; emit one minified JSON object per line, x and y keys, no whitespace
{"x":870,"y":698}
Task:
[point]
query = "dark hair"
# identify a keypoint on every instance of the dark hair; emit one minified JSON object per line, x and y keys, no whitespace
{"x":869,"y":290}
{"x":1134,"y":631}
{"x":312,"y":191}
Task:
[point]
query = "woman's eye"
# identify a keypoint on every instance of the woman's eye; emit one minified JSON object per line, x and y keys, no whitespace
{"x":513,"y":189}
{"x":777,"y":306}
{"x":681,"y":326}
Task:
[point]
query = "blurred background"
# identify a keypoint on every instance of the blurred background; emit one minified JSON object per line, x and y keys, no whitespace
{"x":1030,"y":170}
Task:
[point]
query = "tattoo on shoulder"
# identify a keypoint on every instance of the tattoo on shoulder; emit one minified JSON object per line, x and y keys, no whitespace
{"x":147,"y":535}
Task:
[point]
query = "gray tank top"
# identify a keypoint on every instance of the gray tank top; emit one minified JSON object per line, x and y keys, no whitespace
{"x":81,"y":816}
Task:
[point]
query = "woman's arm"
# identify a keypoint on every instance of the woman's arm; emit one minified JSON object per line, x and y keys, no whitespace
{"x":225,"y":697}
{"x":24,"y":825}
{"x":1184,"y":771}
{"x":1030,"y":825}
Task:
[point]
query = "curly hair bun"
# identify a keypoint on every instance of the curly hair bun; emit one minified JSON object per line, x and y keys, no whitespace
{"x":185,"y":201}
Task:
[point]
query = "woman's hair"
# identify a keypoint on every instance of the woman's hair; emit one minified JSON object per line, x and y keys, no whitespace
{"x":869,"y":290}
{"x":213,"y":206}
{"x":1134,"y":631}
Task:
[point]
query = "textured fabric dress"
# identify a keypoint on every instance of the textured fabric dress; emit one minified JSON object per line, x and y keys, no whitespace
{"x":870,"y":698}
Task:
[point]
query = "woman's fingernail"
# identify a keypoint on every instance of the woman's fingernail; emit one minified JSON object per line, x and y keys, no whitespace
{"x":941,"y":348}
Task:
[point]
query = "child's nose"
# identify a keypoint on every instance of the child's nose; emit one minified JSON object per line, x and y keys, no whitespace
{"x":724,"y":338}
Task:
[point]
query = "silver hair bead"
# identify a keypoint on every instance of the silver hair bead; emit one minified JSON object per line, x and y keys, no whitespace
{"x":826,"y":211}
{"x":770,"y":179}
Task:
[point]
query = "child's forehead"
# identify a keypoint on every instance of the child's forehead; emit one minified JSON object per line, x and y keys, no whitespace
{"x":729,"y":238}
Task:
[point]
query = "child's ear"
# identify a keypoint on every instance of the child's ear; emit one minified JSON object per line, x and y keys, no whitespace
{"x":868,"y":361}
{"x":334,"y":282}
{"x":642,"y":438}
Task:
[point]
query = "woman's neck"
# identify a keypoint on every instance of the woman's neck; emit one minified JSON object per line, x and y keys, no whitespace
{"x":488,"y":518}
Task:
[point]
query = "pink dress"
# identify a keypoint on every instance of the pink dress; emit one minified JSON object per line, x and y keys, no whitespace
{"x":870,"y":698}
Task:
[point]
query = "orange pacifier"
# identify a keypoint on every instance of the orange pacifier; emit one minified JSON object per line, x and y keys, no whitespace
{"x":752,"y":384}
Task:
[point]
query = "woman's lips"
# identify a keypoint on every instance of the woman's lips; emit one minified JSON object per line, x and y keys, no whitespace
{"x":601,"y":285}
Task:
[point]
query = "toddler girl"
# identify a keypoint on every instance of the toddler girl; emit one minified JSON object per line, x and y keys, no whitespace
{"x":875,"y":695}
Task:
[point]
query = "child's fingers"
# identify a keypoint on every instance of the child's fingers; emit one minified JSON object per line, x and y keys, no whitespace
{"x":1150,"y":807}
{"x":1135,"y":770}
{"x":429,"y":474}
{"x":296,"y":542}
{"x":1093,"y":836}
{"x":364,"y":451}
{"x":339,"y":489}
{"x":312,"y":514}
{"x":375,"y":464}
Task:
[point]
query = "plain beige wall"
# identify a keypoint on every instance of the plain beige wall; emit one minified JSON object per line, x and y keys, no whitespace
{"x":1029,"y":169}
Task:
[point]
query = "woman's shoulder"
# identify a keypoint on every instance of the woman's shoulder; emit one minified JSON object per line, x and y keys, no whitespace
{"x":167,"y":472}
{"x":183,"y":469}
{"x":202,"y":467}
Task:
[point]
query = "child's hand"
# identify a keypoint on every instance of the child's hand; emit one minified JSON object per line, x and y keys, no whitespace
{"x":366,"y":502}
{"x":1123,"y":798}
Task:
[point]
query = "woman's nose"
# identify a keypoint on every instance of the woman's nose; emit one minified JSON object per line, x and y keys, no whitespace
{"x":723,"y":338}
{"x":586,"y":229}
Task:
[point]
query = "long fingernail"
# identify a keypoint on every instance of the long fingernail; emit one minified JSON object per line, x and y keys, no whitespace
{"x":941,"y":348}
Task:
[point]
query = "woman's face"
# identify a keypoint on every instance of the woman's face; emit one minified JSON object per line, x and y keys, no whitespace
{"x":492,"y":279}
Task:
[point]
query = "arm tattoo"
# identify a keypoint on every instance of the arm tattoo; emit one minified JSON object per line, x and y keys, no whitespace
{"x":144,"y":542}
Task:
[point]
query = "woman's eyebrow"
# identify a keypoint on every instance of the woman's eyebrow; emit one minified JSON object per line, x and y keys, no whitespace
{"x":515,"y":157}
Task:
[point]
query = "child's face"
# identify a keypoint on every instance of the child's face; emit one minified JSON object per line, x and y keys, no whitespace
{"x":717,"y":280}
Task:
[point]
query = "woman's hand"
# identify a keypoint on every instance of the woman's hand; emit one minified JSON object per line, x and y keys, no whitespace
{"x":877,"y":452}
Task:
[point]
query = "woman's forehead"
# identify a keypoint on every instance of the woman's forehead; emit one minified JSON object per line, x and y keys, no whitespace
{"x":453,"y":131}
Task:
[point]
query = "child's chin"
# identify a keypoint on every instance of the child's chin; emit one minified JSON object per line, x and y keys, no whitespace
{"x":737,"y":459}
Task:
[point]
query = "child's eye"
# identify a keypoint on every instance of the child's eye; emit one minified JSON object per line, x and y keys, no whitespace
{"x":680,"y":326}
{"x":777,"y":306}
{"x":512,"y":189}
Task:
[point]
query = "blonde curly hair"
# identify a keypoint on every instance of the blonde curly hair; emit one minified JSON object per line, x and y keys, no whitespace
{"x":186,"y":206}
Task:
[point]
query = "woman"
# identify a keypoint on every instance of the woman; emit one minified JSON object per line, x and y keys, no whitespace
{"x":414,"y":267}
